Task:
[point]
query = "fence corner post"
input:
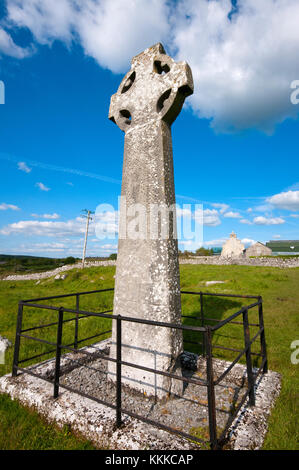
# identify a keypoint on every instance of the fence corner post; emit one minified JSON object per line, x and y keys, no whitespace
{"x":262,"y":336}
{"x":58,"y":352}
{"x":17,"y":340}
{"x":250,"y":376}
{"x":211,"y":389}
{"x":118,"y":371}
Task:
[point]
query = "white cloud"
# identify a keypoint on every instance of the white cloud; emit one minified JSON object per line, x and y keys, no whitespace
{"x":288,"y":200}
{"x":109,"y":31}
{"x":42,"y":187}
{"x":23,"y":167}
{"x":232,"y":215}
{"x":218,"y":242}
{"x":221,"y":206}
{"x":295,"y":216}
{"x":276,"y":236}
{"x":46,"y":216}
{"x":8,"y":47}
{"x":242,"y":66}
{"x":248,"y":241}
{"x":5,"y":207}
{"x":245,"y":221}
{"x":268,"y":220}
{"x":210,"y":217}
{"x":73,"y":227}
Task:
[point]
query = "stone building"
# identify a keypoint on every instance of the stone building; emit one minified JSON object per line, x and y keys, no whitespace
{"x":258,"y":249}
{"x":232,"y":248}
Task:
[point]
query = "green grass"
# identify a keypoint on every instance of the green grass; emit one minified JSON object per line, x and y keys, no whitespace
{"x":279,"y":288}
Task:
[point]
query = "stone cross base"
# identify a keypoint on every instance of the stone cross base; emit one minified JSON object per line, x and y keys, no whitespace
{"x":151,"y":291}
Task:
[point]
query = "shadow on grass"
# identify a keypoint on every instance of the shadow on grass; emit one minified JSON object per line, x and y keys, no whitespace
{"x":215,"y":309}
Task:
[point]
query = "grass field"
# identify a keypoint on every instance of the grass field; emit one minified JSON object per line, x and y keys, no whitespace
{"x":23,"y":429}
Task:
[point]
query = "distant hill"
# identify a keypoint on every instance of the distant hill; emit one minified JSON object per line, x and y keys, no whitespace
{"x":26,"y":264}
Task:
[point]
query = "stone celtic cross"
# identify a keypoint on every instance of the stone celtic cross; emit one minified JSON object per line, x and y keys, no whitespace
{"x":147,"y":283}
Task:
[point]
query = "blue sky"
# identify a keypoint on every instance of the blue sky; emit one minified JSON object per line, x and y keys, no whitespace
{"x":235,"y":143}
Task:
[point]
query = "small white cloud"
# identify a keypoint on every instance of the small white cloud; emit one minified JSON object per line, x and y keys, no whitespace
{"x":23,"y":167}
{"x":295,"y":216}
{"x":42,"y":187}
{"x":5,"y":207}
{"x":223,"y":207}
{"x":216,"y":243}
{"x":288,"y":200}
{"x":276,"y":236}
{"x":8,"y":46}
{"x":248,"y":241}
{"x":46,"y":216}
{"x":268,"y":220}
{"x":232,"y":215}
{"x":245,"y":221}
{"x":210,"y":217}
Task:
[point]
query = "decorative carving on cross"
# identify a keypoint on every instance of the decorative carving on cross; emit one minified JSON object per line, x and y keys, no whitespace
{"x":155,"y":88}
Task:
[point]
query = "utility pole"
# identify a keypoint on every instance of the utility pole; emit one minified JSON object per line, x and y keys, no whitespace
{"x":88,"y":217}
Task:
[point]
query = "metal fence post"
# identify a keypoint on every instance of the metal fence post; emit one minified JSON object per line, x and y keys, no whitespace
{"x":263,"y":339}
{"x":211,"y":389}
{"x":76,"y":322}
{"x":17,"y":340}
{"x":58,"y":352}
{"x":250,"y":376}
{"x":118,"y":371}
{"x":202,"y":324}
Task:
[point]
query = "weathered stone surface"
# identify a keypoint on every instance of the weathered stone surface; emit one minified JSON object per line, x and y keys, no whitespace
{"x":96,"y":422}
{"x":147,"y":281}
{"x":258,"y":249}
{"x":232,"y":248}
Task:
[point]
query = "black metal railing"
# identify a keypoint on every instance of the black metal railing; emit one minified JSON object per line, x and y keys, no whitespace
{"x":206,"y":331}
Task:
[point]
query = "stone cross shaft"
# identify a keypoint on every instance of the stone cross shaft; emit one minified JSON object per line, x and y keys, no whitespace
{"x":147,"y":283}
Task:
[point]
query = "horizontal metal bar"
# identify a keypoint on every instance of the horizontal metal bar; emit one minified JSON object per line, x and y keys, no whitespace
{"x":166,"y":374}
{"x":108,"y":358}
{"x":232,"y":322}
{"x":193,"y":342}
{"x":94,"y":336}
{"x":38,"y":339}
{"x":28,"y":371}
{"x":215,"y":294}
{"x":163,"y":426}
{"x":68,"y":295}
{"x":136,"y":416}
{"x":123,"y":318}
{"x":40,"y":355}
{"x":233,"y":349}
{"x":127,"y":412}
{"x":54,"y":323}
{"x":228,"y":320}
{"x":216,"y":382}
